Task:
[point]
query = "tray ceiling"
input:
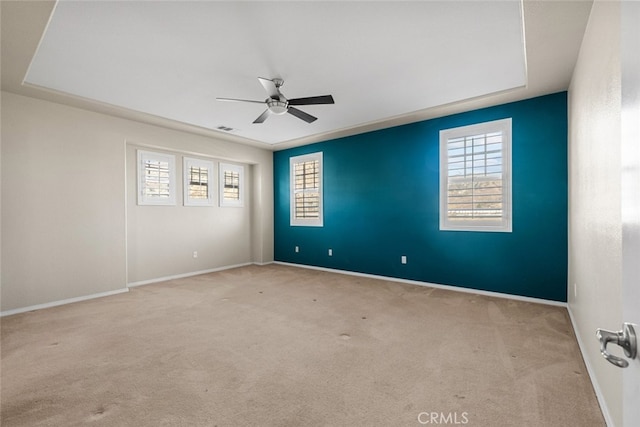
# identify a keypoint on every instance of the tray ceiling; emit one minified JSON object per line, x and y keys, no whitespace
{"x":379,"y":60}
{"x":385,"y":63}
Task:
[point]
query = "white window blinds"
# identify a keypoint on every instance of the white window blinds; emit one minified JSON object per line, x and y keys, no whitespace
{"x":156,"y":178}
{"x":475,"y":177}
{"x":197,"y":182}
{"x":231,"y":185}
{"x":306,"y":190}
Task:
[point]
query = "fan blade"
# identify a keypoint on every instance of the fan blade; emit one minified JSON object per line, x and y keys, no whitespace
{"x":263,"y":116}
{"x":312,"y":100}
{"x":301,"y":115}
{"x":270,"y":87}
{"x":239,"y":100}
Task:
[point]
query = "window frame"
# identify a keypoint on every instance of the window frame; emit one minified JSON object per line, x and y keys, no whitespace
{"x":187,"y":164}
{"x":505,"y":224}
{"x":222,"y":168}
{"x":146,"y":200}
{"x":306,"y":222}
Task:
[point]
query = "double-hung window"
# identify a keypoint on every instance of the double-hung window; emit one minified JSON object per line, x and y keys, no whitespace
{"x":475,"y":177}
{"x":306,"y":190}
{"x":156,"y":178}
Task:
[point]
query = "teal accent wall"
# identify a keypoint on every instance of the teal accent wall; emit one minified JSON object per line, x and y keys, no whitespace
{"x":381,"y":201}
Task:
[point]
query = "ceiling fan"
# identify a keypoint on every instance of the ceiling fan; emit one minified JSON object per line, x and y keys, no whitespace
{"x":277,"y":103}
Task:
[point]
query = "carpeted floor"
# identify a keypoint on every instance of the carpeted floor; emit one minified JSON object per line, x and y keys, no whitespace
{"x":283,"y":346}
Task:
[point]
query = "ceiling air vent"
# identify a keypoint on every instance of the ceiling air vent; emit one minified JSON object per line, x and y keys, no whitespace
{"x":225,"y":128}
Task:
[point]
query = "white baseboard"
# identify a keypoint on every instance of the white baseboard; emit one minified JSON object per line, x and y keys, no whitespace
{"x":181,"y":276}
{"x":431,"y":285}
{"x":592,"y":376}
{"x":62,"y":302}
{"x":119,"y":291}
{"x":331,"y":270}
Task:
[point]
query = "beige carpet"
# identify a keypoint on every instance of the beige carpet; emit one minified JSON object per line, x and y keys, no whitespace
{"x":285,"y":346}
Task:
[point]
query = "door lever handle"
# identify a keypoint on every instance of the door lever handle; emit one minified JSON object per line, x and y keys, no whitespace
{"x":626,"y":338}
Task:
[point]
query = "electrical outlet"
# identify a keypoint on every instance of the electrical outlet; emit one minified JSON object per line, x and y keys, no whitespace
{"x":195,"y":254}
{"x":297,"y":249}
{"x":403,"y":259}
{"x":330,"y":252}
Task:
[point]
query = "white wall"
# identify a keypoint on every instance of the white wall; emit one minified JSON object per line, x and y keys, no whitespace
{"x":64,"y":209}
{"x":595,"y":250}
{"x":161,"y":239}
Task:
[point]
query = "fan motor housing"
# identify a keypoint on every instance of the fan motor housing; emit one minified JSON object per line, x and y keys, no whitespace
{"x":277,"y":107}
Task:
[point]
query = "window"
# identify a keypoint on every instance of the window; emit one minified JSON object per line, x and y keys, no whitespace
{"x":231,"y":185}
{"x":156,"y":178}
{"x":475,"y":177}
{"x":198,"y":176}
{"x":306,"y":190}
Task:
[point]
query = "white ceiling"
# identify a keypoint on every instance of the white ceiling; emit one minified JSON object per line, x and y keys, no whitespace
{"x":385,"y":63}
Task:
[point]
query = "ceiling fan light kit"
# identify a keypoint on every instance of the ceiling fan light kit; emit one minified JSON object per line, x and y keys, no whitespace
{"x":277,"y":107}
{"x":278,"y":104}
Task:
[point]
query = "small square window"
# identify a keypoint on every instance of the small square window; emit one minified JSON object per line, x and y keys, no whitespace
{"x":156,"y":178}
{"x":231,"y":185}
{"x":198,"y":185}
